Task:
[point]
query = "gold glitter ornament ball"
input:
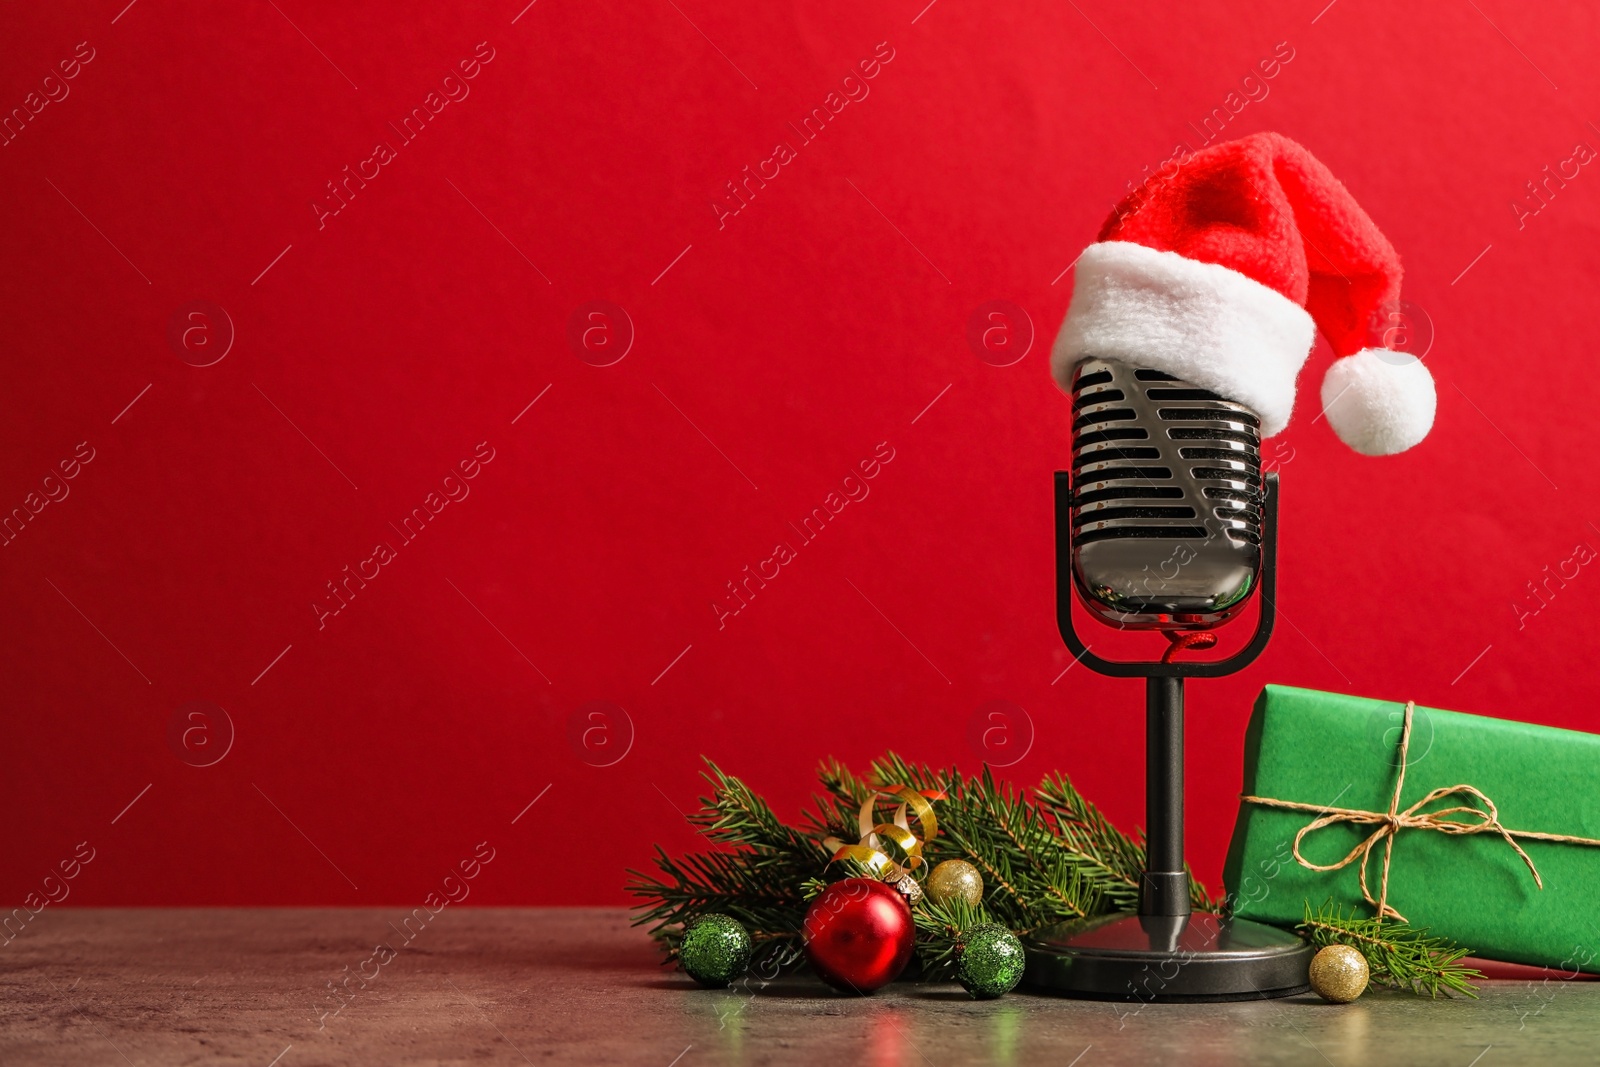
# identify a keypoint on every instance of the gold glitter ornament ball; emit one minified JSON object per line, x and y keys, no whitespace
{"x":954,"y":879}
{"x":1338,"y":974}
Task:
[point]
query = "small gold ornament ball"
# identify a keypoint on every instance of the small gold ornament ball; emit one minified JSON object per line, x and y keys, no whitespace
{"x":953,"y":879}
{"x":1338,"y":974}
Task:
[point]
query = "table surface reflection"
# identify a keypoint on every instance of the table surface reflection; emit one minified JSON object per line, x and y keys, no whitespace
{"x":298,"y":987}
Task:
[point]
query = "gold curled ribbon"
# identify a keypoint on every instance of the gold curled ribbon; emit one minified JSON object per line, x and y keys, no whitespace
{"x":871,"y":851}
{"x":1390,"y":823}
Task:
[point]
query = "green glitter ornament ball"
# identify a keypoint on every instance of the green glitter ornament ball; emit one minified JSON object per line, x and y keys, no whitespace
{"x":991,"y":961}
{"x":715,"y":950}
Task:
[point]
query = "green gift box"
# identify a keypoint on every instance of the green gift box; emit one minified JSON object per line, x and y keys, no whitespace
{"x":1340,"y":758}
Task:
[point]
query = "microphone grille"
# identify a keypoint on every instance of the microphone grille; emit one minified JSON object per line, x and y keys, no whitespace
{"x":1155,"y":459}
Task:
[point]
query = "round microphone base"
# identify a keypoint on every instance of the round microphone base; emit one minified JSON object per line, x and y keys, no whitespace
{"x":1156,"y":959}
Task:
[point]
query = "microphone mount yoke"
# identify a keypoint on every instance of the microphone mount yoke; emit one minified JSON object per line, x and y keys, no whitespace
{"x":1165,"y":952}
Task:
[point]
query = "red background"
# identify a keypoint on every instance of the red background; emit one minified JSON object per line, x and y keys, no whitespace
{"x":771,"y":355}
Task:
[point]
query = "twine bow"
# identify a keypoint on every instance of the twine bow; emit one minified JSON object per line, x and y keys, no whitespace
{"x":1388,"y":824}
{"x":872,"y":849}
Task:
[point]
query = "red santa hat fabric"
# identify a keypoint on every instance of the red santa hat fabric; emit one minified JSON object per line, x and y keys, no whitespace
{"x":1221,"y":272}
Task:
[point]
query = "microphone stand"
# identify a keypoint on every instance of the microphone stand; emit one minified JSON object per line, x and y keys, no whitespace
{"x":1165,"y":952}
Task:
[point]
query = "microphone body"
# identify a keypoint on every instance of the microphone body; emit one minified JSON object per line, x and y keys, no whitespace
{"x":1166,"y":499}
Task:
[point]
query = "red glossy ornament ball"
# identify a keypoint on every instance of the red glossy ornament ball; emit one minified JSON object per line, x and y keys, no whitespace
{"x":859,"y":935}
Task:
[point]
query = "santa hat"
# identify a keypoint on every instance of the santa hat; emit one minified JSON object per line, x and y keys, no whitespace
{"x":1221,"y":273}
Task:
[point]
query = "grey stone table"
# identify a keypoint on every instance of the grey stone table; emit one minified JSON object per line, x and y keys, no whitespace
{"x":253,"y":986}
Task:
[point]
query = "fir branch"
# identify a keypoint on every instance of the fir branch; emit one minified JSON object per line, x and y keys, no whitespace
{"x":760,"y":881}
{"x":714,"y":883}
{"x":1119,"y":856}
{"x":1046,"y":856}
{"x":1061,"y":886}
{"x":941,"y":928}
{"x":735,"y":815}
{"x":892,"y":769}
{"x":1081,"y":824}
{"x":1397,"y":955}
{"x":1032,"y":878}
{"x":835,"y":814}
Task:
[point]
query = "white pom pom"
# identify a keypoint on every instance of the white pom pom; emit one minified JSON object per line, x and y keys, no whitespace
{"x":1379,"y":401}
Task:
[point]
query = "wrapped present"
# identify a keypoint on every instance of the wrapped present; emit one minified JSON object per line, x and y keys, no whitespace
{"x":1483,"y":830}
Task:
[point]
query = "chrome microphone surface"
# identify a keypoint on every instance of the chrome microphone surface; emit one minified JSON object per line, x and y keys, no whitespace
{"x":1166,"y":499}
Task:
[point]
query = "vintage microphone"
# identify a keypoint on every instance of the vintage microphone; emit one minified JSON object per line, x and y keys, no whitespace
{"x":1166,"y":523}
{"x":1192,"y":314}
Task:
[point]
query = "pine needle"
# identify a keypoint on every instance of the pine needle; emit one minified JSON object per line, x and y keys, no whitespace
{"x":1397,"y":955}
